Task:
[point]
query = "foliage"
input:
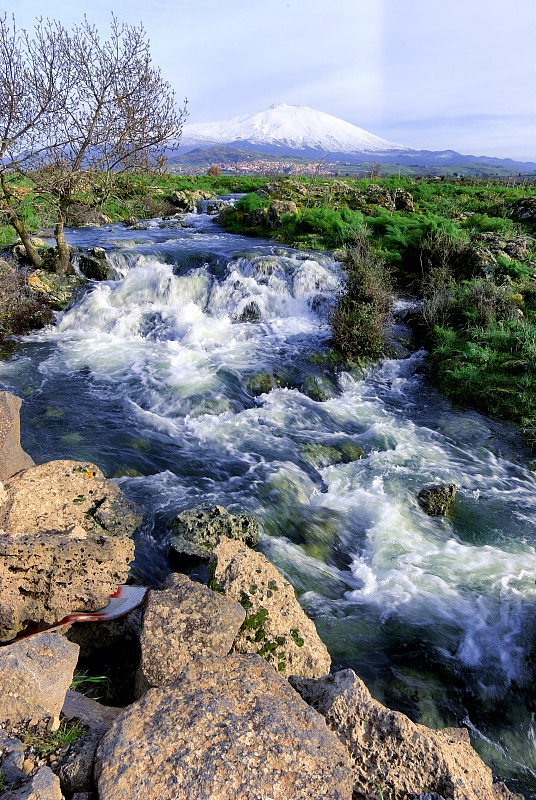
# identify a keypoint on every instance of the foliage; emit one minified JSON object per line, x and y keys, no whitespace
{"x":45,"y":743}
{"x":21,"y":309}
{"x":251,"y":202}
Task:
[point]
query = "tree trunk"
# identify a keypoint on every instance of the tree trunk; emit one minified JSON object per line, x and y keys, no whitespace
{"x":18,"y":224}
{"x":63,"y":263}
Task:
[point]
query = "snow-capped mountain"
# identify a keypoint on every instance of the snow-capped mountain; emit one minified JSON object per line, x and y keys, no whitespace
{"x":289,"y":127}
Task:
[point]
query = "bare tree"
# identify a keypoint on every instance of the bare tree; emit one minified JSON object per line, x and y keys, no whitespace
{"x":110,"y":111}
{"x":32,"y":75}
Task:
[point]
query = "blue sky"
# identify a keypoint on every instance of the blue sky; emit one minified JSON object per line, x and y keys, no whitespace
{"x":456,"y":74}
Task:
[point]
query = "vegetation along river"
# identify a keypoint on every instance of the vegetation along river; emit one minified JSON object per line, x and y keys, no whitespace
{"x":194,"y":377}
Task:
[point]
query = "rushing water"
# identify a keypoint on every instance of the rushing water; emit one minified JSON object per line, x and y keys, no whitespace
{"x":150,"y":375}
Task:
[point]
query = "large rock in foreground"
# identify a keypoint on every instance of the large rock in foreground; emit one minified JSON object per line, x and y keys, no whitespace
{"x":59,"y":494}
{"x":276,"y":627}
{"x":13,"y":458}
{"x":196,"y":531}
{"x":437,"y":501}
{"x":67,"y":545}
{"x":35,"y":675}
{"x":391,"y":751}
{"x":184,"y":621}
{"x":228,"y":728}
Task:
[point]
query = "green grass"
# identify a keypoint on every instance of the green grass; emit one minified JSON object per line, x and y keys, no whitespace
{"x":46,"y":743}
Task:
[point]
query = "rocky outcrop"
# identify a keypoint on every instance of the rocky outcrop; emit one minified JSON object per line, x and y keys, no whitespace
{"x":380,"y":196}
{"x":197,"y":531}
{"x":68,"y":543}
{"x":81,"y":215}
{"x":227,"y":728}
{"x":403,"y":200}
{"x":275,"y":627}
{"x":35,"y":674}
{"x":13,"y":459}
{"x":437,"y":500}
{"x":389,"y":750}
{"x":279,"y":209}
{"x":184,"y":621}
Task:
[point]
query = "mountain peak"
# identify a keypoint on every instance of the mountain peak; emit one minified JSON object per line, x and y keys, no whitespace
{"x":291,"y":126}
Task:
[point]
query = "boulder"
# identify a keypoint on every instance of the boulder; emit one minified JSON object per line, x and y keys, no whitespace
{"x":45,"y":576}
{"x":279,"y":209}
{"x":92,"y":714}
{"x":58,"y":495}
{"x":197,"y":531}
{"x":275,"y":627}
{"x":403,"y":200}
{"x":80,"y":215}
{"x":389,"y":750}
{"x":184,"y":621}
{"x":76,"y":771}
{"x":227,"y":728}
{"x":93,"y":264}
{"x":379,"y":195}
{"x":11,"y":758}
{"x":68,"y":544}
{"x":44,"y":785}
{"x":35,"y":675}
{"x":13,"y":459}
{"x":437,"y":500}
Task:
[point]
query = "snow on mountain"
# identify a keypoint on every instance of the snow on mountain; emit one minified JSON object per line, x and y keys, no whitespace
{"x":296,"y":127}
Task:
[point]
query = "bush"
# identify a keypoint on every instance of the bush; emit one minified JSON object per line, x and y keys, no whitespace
{"x":359,"y":320}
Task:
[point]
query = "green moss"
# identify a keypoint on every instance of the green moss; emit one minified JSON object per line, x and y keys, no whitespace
{"x":296,"y":638}
{"x":253,"y":622}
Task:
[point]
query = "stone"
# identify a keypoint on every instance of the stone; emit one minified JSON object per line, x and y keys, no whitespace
{"x":318,"y":388}
{"x":379,"y":195}
{"x":91,"y":713}
{"x":196,"y":531}
{"x":389,"y":750}
{"x":81,"y":215}
{"x":279,"y":209}
{"x":184,"y":621}
{"x":228,"y":728}
{"x":250,"y":313}
{"x":275,"y":627}
{"x":13,"y":459}
{"x":76,"y":772}
{"x":58,"y":495}
{"x":437,"y":500}
{"x":403,"y":200}
{"x":35,"y":675}
{"x":45,"y":576}
{"x":93,"y":264}
{"x":11,"y":758}
{"x":43,"y":786}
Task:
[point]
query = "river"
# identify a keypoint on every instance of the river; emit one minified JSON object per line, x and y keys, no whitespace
{"x":157,"y":376}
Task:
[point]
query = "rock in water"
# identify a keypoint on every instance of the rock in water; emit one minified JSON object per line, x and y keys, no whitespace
{"x":275,"y":627}
{"x":389,"y":750}
{"x":68,"y":543}
{"x":437,"y":500}
{"x":228,"y":728}
{"x":182,"y":622}
{"x":197,"y":531}
{"x":13,"y":459}
{"x":35,"y":675}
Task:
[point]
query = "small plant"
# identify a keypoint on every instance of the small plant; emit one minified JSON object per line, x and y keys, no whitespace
{"x":2,"y":779}
{"x":45,"y":743}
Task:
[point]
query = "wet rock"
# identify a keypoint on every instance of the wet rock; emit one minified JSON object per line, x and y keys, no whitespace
{"x":275,"y":627}
{"x":13,"y":459}
{"x":129,"y":222}
{"x":389,"y":750}
{"x":68,"y":546}
{"x":184,"y":621}
{"x":58,"y":290}
{"x":437,"y":500}
{"x":250,"y":313}
{"x":93,"y":264}
{"x":35,"y":674}
{"x":321,"y":455}
{"x":228,"y":727}
{"x":43,"y":786}
{"x":197,"y":531}
{"x":262,"y":383}
{"x":318,"y":388}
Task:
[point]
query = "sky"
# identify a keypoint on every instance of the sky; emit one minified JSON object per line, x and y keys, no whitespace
{"x":430,"y":74}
